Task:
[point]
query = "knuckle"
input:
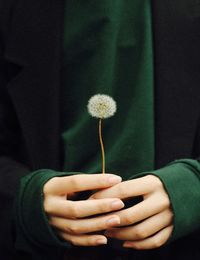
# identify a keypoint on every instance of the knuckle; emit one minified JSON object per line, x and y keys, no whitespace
{"x":157,"y":242}
{"x":154,"y":181}
{"x":74,"y":182}
{"x":170,"y":215}
{"x":48,"y":206}
{"x":74,"y":242}
{"x":49,"y":184}
{"x":94,"y":196}
{"x":73,"y":229}
{"x":69,"y":207}
{"x":45,"y":189}
{"x":66,"y":229}
{"x":72,"y":239}
{"x":102,"y":207}
{"x":74,"y":210}
{"x":157,"y":182}
{"x":138,"y":246}
{"x":122,"y":191}
{"x":165,"y":201}
{"x":128,"y":219}
{"x":140,"y":233}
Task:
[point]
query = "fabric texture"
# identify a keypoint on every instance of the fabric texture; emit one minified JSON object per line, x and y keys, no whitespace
{"x":108,"y":49}
{"x":30,"y":64}
{"x":181,"y":180}
{"x":34,"y":235}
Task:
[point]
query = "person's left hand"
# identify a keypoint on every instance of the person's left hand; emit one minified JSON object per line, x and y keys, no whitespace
{"x":149,"y":224}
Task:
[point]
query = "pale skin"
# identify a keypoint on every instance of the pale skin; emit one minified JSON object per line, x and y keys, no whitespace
{"x":154,"y":213}
{"x":75,"y":221}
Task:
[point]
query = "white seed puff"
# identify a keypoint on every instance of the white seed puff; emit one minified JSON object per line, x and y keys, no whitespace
{"x":101,"y":106}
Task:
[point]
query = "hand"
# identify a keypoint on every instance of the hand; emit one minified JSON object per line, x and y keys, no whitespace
{"x":69,"y":217}
{"x":149,"y":223}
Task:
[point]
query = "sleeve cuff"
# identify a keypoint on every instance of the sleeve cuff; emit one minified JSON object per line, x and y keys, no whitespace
{"x":33,"y":229}
{"x":181,"y":179}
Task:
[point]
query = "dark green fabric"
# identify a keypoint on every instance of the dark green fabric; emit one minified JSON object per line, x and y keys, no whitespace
{"x":34,"y":235}
{"x":181,"y":179}
{"x":108,"y":49}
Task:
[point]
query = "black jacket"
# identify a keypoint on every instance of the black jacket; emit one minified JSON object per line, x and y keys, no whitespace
{"x":30,"y":76}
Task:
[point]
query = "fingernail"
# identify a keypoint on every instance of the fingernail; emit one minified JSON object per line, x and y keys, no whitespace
{"x":113,"y":221}
{"x":101,"y":241}
{"x":117,"y":204}
{"x":114,"y":180}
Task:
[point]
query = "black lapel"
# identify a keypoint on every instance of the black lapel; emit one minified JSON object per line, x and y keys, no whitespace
{"x":177,"y":77}
{"x":34,"y":43}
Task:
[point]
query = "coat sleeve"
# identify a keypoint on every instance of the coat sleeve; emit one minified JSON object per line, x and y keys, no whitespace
{"x":21,"y":190}
{"x":181,"y":180}
{"x":11,"y":169}
{"x":15,"y":171}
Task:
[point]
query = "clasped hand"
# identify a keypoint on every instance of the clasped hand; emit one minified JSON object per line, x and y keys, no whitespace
{"x":145,"y":225}
{"x":77,"y":221}
{"x":149,"y":224}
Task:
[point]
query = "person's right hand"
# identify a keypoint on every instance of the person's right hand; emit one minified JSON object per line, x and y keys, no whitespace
{"x":75,"y":221}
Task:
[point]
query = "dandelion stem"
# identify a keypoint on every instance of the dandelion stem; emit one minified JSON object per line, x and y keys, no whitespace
{"x":102,"y":146}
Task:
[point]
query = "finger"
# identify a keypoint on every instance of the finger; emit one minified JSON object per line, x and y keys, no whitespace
{"x":83,"y":226}
{"x":145,"y":209}
{"x":83,"y":240}
{"x":143,"y":230}
{"x":131,"y":188}
{"x":79,"y":209}
{"x":81,"y":182}
{"x":152,"y":242}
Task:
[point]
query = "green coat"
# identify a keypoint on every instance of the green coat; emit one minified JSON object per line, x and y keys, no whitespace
{"x":30,"y":64}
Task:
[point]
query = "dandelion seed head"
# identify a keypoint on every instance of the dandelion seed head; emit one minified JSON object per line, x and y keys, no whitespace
{"x":101,"y":106}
